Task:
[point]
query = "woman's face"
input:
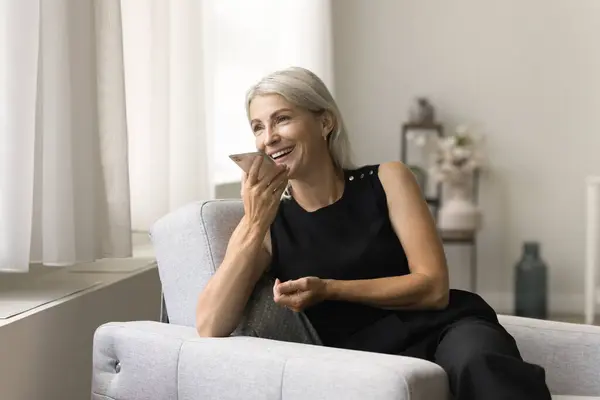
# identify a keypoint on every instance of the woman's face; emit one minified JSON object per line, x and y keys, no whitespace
{"x":289,"y":135}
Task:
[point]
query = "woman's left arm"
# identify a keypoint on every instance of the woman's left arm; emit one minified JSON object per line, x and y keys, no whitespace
{"x":426,"y":287}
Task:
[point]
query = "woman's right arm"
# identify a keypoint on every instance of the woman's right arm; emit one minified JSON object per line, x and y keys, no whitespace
{"x":223,"y":300}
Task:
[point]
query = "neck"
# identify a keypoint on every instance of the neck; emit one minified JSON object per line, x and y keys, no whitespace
{"x":322,"y":187}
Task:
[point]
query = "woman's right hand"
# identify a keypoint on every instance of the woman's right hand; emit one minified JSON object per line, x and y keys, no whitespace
{"x":261,"y":197}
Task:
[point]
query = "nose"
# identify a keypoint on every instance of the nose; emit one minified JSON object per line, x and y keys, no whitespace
{"x":271,"y":136}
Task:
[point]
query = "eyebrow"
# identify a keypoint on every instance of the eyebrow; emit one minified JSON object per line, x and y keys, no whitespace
{"x":274,"y":114}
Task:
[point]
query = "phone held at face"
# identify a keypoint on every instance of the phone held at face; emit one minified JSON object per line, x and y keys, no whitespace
{"x":245,"y":160}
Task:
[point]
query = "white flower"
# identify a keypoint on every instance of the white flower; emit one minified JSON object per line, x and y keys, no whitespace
{"x":461,"y":152}
{"x":457,"y":156}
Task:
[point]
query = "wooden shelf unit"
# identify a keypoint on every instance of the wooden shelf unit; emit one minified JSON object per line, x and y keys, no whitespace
{"x":435,"y":202}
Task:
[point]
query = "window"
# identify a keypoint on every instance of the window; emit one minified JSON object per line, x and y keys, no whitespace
{"x":245,"y":41}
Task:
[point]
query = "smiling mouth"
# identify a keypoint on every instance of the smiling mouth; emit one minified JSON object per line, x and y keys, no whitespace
{"x":282,"y":153}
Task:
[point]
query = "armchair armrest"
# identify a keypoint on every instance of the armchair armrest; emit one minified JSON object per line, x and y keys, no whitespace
{"x":140,"y":360}
{"x":570,"y":353}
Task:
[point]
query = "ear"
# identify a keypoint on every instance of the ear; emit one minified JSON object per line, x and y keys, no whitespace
{"x":327,"y":123}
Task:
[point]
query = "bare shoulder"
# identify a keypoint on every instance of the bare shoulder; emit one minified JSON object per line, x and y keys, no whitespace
{"x":397,"y":178}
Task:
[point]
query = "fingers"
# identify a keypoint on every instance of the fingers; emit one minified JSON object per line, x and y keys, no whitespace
{"x":278,"y":190}
{"x":276,"y":293}
{"x":295,"y":302}
{"x":243,"y":183}
{"x":273,"y":177}
{"x":280,"y":178}
{"x":287,"y":287}
{"x":279,"y":184}
{"x":275,"y":188}
{"x":291,"y":287}
{"x":254,"y":169}
{"x":273,"y":171}
{"x":298,"y":294}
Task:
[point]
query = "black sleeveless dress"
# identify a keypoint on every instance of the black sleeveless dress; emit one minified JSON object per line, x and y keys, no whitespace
{"x":353,"y":239}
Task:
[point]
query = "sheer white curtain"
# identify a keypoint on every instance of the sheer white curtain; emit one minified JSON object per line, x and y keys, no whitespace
{"x":64,"y":191}
{"x":115,"y":112}
{"x":164,"y":70}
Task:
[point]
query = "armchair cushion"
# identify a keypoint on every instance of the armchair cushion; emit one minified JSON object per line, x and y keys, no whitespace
{"x":189,"y":245}
{"x":570,"y":353}
{"x":140,"y":360}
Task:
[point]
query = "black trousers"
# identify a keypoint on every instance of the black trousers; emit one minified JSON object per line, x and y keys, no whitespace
{"x":482,"y":361}
{"x":480,"y":357}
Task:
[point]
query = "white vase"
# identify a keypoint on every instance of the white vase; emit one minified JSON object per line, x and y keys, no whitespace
{"x":459,"y":213}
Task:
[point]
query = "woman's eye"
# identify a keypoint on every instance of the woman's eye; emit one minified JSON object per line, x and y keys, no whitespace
{"x":282,"y":118}
{"x":257,"y":129}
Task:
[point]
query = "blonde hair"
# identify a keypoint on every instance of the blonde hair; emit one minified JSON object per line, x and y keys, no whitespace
{"x":305,"y":89}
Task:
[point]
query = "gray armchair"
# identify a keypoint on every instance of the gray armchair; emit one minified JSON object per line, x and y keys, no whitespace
{"x":168,"y":361}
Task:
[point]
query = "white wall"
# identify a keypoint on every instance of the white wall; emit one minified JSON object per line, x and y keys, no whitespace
{"x":526,"y":74}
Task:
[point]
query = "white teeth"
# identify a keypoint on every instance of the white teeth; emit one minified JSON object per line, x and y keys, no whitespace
{"x":281,"y":153}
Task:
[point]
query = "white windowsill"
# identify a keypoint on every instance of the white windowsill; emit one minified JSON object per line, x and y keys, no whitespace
{"x":56,"y":280}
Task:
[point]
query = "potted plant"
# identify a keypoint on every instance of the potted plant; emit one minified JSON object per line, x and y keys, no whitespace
{"x":456,"y":158}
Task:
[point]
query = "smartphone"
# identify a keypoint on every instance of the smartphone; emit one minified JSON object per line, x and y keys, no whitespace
{"x":245,"y":160}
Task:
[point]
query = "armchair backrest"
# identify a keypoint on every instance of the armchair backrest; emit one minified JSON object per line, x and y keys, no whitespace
{"x":189,"y":245}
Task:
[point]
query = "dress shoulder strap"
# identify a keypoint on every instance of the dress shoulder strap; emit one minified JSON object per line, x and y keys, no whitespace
{"x":368,"y":175}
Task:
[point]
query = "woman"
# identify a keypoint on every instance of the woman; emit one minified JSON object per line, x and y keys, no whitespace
{"x":355,"y":250}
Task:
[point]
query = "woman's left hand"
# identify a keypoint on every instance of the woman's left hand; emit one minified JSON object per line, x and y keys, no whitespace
{"x":301,"y":293}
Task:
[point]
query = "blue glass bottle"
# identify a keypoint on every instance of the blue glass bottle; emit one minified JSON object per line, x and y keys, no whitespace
{"x":531,"y":283}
